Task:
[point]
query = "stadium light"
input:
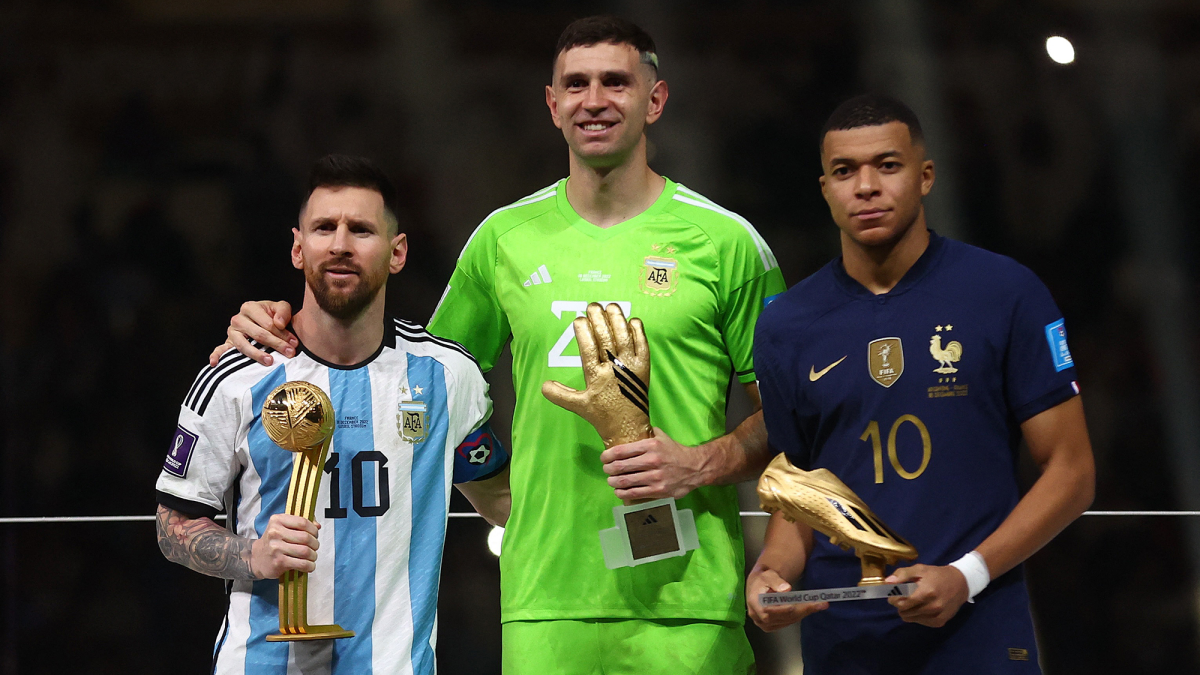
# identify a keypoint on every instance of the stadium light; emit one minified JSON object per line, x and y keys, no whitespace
{"x":1060,"y":49}
{"x":494,"y":538}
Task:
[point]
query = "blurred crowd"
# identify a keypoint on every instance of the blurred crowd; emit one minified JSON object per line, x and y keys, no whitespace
{"x":151,"y":159}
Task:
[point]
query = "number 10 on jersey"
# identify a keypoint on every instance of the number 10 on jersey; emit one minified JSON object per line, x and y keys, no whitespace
{"x":873,"y":434}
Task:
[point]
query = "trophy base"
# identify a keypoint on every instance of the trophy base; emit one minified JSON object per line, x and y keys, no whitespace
{"x":647,"y":532}
{"x":330,"y":632}
{"x":873,"y":592}
{"x":873,"y":570}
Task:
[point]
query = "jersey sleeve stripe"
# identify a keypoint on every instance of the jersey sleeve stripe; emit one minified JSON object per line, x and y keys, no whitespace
{"x":206,"y":392}
{"x":695,"y":195}
{"x":441,"y":300}
{"x":206,"y":374}
{"x":745,"y":223}
{"x":545,"y":193}
{"x":414,"y":333}
{"x":764,"y":251}
{"x":196,"y":383}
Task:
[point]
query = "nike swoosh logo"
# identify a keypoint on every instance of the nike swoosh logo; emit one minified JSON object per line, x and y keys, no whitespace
{"x":814,"y":374}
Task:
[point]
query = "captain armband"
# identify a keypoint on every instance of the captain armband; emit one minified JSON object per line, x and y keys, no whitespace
{"x":480,"y":456}
{"x":974,"y":568}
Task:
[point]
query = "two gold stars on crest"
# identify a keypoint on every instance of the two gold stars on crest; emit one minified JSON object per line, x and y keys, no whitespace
{"x":670,"y":249}
{"x":939,"y":328}
{"x":416,"y":391}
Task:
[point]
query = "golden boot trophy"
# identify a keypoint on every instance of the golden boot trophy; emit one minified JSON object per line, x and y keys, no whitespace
{"x":299,"y":417}
{"x":826,"y":504}
{"x":616,"y":371}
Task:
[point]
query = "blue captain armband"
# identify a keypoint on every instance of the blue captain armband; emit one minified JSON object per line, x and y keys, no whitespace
{"x":480,"y":456}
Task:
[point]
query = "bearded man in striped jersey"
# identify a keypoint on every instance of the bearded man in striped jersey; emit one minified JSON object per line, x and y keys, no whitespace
{"x":382,"y":502}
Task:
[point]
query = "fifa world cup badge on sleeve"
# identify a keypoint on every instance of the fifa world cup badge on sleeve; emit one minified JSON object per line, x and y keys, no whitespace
{"x":616,"y":370}
{"x":299,"y":418}
{"x":180,"y":455}
{"x":826,"y":504}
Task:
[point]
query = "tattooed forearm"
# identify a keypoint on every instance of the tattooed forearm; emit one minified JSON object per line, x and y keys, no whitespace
{"x":204,"y":546}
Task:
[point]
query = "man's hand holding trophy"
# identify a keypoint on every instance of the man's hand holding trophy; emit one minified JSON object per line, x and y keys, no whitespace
{"x":616,"y":401}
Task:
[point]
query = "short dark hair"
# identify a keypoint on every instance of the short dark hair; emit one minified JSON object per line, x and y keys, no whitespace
{"x":335,"y":171}
{"x":868,"y":110}
{"x":594,"y":30}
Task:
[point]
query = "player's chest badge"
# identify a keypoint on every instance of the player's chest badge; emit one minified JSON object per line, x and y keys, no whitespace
{"x":885,"y":359}
{"x":946,"y":352}
{"x":946,"y":355}
{"x":410,"y":420}
{"x":660,"y":273}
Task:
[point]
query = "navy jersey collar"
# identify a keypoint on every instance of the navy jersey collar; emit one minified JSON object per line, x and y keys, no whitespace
{"x":911,"y":278}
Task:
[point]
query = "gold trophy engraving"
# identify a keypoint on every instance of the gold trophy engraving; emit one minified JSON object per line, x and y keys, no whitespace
{"x":299,"y":418}
{"x":824,"y":503}
{"x":616,"y":401}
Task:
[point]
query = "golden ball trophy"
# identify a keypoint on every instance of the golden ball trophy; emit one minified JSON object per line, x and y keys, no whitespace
{"x":299,"y":418}
{"x":616,"y":370}
{"x":822,"y":501}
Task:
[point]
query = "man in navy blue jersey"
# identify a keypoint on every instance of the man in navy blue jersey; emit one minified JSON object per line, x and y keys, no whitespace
{"x":911,"y":367}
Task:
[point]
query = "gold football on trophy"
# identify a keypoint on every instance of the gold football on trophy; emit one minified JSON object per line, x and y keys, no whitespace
{"x":298,"y":416}
{"x":822,"y":501}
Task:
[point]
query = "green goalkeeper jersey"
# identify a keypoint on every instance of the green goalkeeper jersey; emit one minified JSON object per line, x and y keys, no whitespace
{"x":698,"y":276}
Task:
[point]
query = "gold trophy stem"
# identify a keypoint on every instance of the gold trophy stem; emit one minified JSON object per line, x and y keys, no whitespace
{"x":872,"y":569}
{"x":293,"y":585}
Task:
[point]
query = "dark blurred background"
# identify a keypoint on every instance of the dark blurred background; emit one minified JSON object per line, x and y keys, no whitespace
{"x":152,"y":154}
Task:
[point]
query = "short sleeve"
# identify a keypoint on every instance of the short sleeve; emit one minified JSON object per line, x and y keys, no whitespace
{"x":1039,"y":371}
{"x":778,"y":403}
{"x":478,"y":454}
{"x":201,"y":463}
{"x":741,"y":313}
{"x":469,"y":312}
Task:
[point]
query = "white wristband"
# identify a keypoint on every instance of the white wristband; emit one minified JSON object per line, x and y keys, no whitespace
{"x":974,"y":568}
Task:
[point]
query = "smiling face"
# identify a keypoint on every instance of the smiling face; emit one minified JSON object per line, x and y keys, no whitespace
{"x":347,"y":246}
{"x":874,"y":180}
{"x":603,"y":98}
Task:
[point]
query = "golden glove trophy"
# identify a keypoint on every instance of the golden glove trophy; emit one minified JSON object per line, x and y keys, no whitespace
{"x":299,"y":417}
{"x":826,"y":504}
{"x":616,"y":370}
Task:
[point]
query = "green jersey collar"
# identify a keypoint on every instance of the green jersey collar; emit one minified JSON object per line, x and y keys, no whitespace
{"x":604,"y":233}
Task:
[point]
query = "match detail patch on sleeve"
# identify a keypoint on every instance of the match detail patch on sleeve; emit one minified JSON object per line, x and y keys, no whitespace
{"x":181,"y":452}
{"x":1056,"y":335}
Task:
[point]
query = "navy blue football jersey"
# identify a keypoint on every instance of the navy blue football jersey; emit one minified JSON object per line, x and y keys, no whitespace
{"x":914,"y":399}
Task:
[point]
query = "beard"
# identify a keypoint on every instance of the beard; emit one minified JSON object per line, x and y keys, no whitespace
{"x":344,"y":300}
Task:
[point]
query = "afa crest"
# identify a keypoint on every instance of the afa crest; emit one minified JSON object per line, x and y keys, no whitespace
{"x":410,"y":420}
{"x":660,"y":276}
{"x":885,"y":358}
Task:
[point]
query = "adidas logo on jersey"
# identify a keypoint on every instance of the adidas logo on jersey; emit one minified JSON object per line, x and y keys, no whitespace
{"x":541,"y":276}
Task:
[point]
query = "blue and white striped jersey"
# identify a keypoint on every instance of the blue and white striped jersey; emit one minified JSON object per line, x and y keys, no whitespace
{"x":382,"y":502}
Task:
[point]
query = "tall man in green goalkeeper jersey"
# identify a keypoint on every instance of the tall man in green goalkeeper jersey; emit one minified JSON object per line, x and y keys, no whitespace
{"x":698,"y":276}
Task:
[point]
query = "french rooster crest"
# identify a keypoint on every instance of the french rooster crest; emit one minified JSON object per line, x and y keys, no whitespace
{"x":947,"y":356}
